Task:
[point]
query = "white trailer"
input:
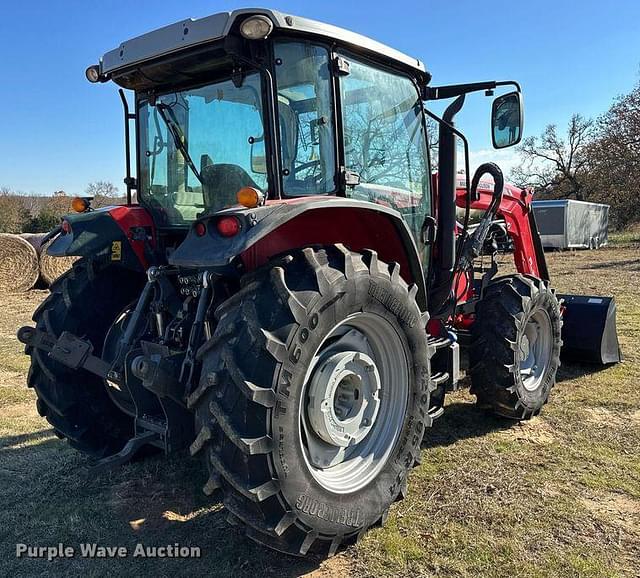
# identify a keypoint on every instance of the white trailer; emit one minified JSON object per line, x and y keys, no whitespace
{"x":569,"y":224}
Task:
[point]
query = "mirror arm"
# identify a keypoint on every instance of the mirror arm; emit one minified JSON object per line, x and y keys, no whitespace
{"x":451,"y":90}
{"x":510,"y":83}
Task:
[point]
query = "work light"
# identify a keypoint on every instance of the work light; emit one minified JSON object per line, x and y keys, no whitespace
{"x":93,"y":73}
{"x":256,"y":27}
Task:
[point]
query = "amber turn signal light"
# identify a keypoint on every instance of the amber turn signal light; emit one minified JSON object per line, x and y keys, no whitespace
{"x":79,"y":205}
{"x":249,"y":197}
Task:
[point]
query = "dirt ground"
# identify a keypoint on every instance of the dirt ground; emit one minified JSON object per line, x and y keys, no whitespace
{"x":556,"y":496}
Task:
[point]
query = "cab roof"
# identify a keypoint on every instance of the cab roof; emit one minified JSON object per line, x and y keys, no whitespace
{"x":197,"y":32}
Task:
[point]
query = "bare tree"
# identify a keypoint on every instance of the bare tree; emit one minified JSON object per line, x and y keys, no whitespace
{"x":13,"y":214}
{"x":32,"y":204}
{"x":557,"y":165}
{"x":614,"y":157}
{"x":103,"y":193}
{"x":58,"y":204}
{"x":101,"y":189}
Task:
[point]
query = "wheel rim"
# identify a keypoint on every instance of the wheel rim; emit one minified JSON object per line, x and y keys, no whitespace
{"x":354,"y":402}
{"x":535,"y":349}
{"x":119,"y":395}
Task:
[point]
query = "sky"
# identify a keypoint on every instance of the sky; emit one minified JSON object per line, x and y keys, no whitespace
{"x":59,"y":132}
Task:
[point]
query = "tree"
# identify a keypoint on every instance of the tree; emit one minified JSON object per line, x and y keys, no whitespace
{"x":615,"y":159}
{"x":13,"y":214}
{"x":50,"y":214}
{"x":32,"y":204}
{"x":58,"y":204}
{"x":101,"y":189}
{"x":557,"y":165}
{"x":42,"y":222}
{"x":103,"y":193}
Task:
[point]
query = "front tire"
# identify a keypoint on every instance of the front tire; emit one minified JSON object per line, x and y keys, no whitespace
{"x":515,"y":353}
{"x":280,"y":408}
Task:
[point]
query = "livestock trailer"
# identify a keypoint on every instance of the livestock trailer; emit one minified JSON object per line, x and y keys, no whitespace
{"x":569,"y":224}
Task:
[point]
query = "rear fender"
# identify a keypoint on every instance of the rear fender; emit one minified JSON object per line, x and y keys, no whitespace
{"x":114,"y":233}
{"x":279,"y":227}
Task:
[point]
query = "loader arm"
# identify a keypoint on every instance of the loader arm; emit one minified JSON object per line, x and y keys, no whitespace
{"x":515,"y":209}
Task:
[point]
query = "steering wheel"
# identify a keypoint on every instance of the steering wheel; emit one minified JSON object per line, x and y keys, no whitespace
{"x":315,"y":177}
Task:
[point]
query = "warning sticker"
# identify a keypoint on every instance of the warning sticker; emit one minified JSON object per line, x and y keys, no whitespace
{"x":116,"y":251}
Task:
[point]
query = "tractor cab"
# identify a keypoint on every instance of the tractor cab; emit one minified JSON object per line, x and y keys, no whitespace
{"x":254,"y":108}
{"x":283,"y":105}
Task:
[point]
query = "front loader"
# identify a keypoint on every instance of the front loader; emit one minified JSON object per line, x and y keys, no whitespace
{"x":292,"y":294}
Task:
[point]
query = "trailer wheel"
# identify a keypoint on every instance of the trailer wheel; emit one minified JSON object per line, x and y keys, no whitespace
{"x":85,"y":301}
{"x":313,"y":399}
{"x":516,"y":347}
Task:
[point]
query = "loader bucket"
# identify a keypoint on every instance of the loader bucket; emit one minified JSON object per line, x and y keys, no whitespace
{"x":589,"y":329}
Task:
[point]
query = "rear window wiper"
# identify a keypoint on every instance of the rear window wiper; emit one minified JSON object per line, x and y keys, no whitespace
{"x":179,"y":139}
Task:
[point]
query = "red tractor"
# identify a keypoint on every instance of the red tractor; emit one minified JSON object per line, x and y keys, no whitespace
{"x":291,"y":296}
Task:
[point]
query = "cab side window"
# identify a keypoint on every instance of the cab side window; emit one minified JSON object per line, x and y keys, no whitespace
{"x":384,"y":140}
{"x":306,"y":119}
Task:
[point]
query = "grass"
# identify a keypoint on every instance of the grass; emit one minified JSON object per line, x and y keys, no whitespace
{"x":556,"y":496}
{"x":627,"y":237}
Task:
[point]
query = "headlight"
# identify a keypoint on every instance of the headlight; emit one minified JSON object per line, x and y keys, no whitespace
{"x":256,"y":27}
{"x":93,"y":73}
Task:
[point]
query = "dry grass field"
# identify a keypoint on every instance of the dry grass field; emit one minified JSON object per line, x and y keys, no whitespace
{"x":556,"y":496}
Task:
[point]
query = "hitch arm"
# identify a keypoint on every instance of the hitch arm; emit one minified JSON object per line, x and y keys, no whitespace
{"x":67,"y":349}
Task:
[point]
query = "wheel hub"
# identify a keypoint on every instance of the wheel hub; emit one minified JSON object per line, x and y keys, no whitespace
{"x":354,"y":403}
{"x":535,"y":350}
{"x":344,"y":398}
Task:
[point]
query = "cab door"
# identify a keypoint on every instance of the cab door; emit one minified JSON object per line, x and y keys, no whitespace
{"x":384,"y":142}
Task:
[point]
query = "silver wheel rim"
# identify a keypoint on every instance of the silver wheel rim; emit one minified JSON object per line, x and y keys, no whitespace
{"x":535,"y":349}
{"x":354,"y":401}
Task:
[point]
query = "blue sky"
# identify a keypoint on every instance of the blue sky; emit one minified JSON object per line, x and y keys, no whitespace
{"x":60,"y":132}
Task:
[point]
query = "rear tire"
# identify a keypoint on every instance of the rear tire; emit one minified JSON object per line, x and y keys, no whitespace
{"x":85,"y":301}
{"x":515,"y":353}
{"x":254,"y":397}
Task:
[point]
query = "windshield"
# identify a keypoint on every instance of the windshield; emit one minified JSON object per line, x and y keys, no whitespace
{"x":199,"y":146}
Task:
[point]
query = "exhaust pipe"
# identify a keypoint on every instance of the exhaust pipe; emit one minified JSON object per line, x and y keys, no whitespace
{"x":589,"y":332}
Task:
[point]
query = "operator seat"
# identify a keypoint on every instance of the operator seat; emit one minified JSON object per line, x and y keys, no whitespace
{"x":221,"y":182}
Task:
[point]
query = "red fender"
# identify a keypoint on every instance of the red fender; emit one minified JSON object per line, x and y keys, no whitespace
{"x":129,"y":217}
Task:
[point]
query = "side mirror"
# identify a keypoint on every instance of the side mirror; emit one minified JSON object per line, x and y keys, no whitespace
{"x":507,"y":120}
{"x":258,"y":156}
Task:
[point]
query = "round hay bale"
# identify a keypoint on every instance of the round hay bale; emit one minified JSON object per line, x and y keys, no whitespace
{"x":19,"y":267}
{"x":52,"y":267}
